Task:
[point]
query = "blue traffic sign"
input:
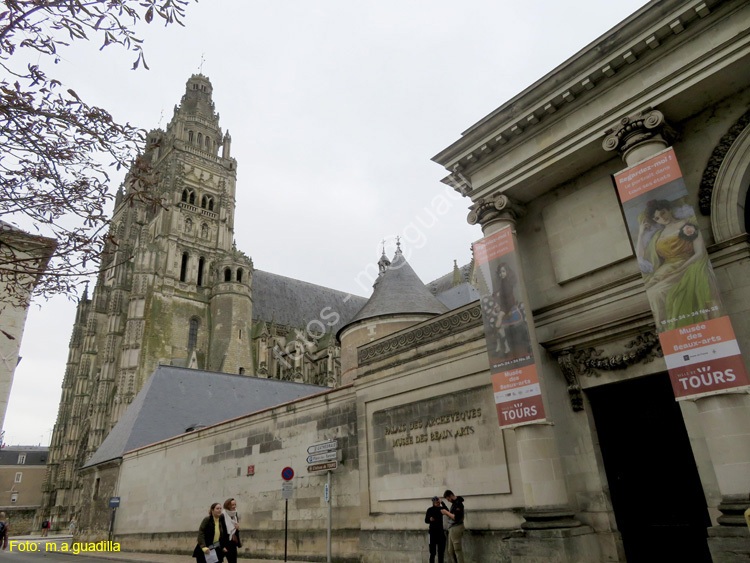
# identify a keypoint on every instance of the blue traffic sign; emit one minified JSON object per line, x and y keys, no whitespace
{"x":287,"y":473}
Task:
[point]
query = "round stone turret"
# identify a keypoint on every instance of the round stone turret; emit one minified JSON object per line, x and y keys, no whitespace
{"x":399,"y":300}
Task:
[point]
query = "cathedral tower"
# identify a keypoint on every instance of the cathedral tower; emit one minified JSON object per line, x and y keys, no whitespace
{"x":173,"y":289}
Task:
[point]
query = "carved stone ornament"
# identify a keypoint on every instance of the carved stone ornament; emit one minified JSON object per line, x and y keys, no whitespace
{"x":452,"y":324}
{"x":590,"y":361}
{"x":499,"y":206}
{"x":647,"y":125}
{"x":705,"y":191}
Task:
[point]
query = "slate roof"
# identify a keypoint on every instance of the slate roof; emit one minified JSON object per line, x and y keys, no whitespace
{"x":445,"y":283}
{"x":35,"y":455}
{"x":399,"y":290}
{"x":291,"y":302}
{"x":174,"y":399}
{"x":458,"y":296}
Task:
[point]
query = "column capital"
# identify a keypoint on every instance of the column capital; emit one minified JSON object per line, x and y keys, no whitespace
{"x":498,"y":207}
{"x":647,"y":127}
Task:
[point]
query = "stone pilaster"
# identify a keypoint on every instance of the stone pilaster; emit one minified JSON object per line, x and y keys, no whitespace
{"x":725,"y":419}
{"x":545,"y":494}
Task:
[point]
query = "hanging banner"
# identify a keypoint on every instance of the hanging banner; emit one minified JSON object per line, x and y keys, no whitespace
{"x":515,"y":381}
{"x":700,"y":349}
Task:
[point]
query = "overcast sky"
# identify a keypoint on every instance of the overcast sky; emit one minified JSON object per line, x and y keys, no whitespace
{"x":335,"y":108}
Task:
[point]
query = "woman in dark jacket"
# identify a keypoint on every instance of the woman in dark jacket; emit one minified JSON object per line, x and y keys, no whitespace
{"x":212,"y":535}
{"x":232,"y":522}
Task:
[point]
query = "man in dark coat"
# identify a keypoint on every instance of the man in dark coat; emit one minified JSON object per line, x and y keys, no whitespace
{"x":434,"y":518}
{"x":456,"y":528}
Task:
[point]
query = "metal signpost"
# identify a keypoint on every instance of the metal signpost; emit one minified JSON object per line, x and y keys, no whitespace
{"x":287,"y":492}
{"x":327,"y":453}
{"x":114,"y":502}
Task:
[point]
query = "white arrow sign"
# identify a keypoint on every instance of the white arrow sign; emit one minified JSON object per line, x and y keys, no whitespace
{"x":323,"y":447}
{"x":322,"y":457}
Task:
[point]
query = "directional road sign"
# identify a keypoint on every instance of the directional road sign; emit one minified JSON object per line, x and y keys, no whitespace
{"x":325,"y":456}
{"x":323,"y":447}
{"x":329,"y":466}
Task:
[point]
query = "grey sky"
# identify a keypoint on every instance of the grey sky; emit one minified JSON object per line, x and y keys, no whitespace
{"x":335,"y":108}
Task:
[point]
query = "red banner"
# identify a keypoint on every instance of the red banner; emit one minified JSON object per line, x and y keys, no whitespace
{"x":515,"y":381}
{"x":699,"y":345}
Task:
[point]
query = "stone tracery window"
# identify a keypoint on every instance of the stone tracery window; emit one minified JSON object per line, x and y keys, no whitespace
{"x":193,"y":333}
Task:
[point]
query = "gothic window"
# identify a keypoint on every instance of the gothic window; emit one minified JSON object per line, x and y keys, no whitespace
{"x":184,"y":195}
{"x":193,"y":333}
{"x":188,"y":225}
{"x":227,"y":275}
{"x":200,"y":139}
{"x":239,"y":274}
{"x":204,"y":230}
{"x":191,"y":200}
{"x":183,"y":267}
{"x":207,"y":202}
{"x":201,"y":262}
{"x":208,"y":141}
{"x":190,"y":136}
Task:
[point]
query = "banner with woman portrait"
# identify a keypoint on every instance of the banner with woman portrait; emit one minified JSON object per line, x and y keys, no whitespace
{"x":515,"y":381}
{"x":699,"y":345}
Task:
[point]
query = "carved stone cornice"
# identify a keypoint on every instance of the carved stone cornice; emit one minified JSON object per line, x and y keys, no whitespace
{"x":588,"y":362}
{"x":496,"y":207}
{"x":646,"y":126}
{"x":435,"y":330}
{"x":706,"y":189}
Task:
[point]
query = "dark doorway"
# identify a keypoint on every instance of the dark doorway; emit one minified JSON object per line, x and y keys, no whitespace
{"x":653,"y":481}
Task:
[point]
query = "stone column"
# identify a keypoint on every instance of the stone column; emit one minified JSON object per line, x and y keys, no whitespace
{"x":725,"y":419}
{"x":545,"y":493}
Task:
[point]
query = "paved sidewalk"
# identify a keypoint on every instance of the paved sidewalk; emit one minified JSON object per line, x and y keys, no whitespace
{"x":138,"y":557}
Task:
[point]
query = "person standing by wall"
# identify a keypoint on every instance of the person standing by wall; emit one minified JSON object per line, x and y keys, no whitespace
{"x":456,"y":528}
{"x":232,"y":523}
{"x":3,"y":531}
{"x":212,"y":537}
{"x":434,"y":517}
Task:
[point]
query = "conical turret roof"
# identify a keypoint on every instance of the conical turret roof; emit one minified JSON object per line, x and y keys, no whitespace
{"x":399,"y":290}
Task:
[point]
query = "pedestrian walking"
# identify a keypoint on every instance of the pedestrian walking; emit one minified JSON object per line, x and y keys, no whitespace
{"x":434,"y":517}
{"x":232,"y":523}
{"x":456,"y":528}
{"x":212,"y":537}
{"x":3,"y":531}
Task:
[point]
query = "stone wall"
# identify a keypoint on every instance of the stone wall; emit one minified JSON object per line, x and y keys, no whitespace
{"x":243,"y":459}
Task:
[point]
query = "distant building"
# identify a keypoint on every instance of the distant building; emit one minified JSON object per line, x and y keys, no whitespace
{"x":22,"y":473}
{"x":23,"y":258}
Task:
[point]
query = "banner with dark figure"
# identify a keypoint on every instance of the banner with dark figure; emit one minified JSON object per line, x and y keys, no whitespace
{"x":515,"y":381}
{"x":700,"y":349}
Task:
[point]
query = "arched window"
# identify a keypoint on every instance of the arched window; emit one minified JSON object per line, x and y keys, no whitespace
{"x":184,"y":195}
{"x":227,"y":275}
{"x":210,"y":204}
{"x":208,"y":141}
{"x":204,"y":199}
{"x":200,"y":139}
{"x":239,"y":274}
{"x":207,"y":202}
{"x":190,"y":136}
{"x":184,"y":266}
{"x":193,"y":333}
{"x":201,"y":262}
{"x":191,"y":197}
